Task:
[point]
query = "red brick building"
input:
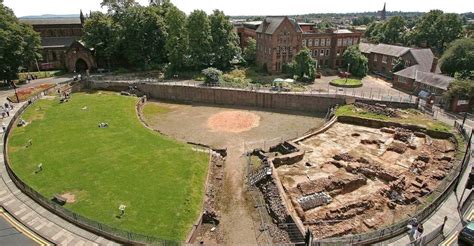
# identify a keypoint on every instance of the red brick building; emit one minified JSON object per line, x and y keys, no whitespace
{"x":60,"y":44}
{"x":279,"y":38}
{"x":246,"y":30}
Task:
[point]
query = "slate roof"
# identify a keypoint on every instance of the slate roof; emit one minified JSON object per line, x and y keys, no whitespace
{"x":56,"y":42}
{"x":51,"y":21}
{"x":390,"y":50}
{"x":424,"y":58}
{"x":435,"y":80}
{"x":366,"y":47}
{"x":271,"y":23}
{"x":409,"y":72}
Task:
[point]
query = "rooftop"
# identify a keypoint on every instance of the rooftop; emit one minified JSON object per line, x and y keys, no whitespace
{"x":57,"y":42}
{"x":51,"y":21}
{"x":390,"y":50}
{"x":271,"y":23}
{"x":435,"y":80}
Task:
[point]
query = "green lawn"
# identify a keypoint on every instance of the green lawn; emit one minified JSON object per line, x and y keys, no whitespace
{"x":348,"y":83}
{"x":408,"y":116}
{"x":161,"y":181}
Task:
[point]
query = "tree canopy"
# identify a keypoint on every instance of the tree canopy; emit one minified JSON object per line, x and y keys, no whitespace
{"x":459,"y":58}
{"x":437,"y":29}
{"x":19,"y":44}
{"x":303,"y":67}
{"x":225,"y":42}
{"x":200,"y":40}
{"x":177,"y":43}
{"x":250,"y":52}
{"x":358,"y":62}
{"x":460,"y":89}
{"x":139,"y":37}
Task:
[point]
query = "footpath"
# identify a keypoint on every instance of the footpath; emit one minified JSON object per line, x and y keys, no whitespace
{"x":32,"y":215}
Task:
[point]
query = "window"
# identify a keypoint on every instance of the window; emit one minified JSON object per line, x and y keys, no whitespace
{"x":328,"y":42}
{"x":338,"y":52}
{"x":321,"y":53}
{"x":407,"y":63}
{"x":310,"y":42}
{"x":327,"y":52}
{"x":344,"y":42}
{"x":304,"y":42}
{"x":315,"y":53}
{"x":339,"y":42}
{"x":355,"y":41}
{"x":375,"y":57}
{"x":349,"y":41}
{"x":384,"y":59}
{"x":316,"y":42}
{"x":270,"y":51}
{"x":323,"y":42}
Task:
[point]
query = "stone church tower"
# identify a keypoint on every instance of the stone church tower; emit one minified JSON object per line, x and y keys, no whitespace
{"x":383,"y":13}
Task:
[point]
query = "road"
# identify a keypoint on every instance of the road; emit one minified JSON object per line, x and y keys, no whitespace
{"x":12,"y":233}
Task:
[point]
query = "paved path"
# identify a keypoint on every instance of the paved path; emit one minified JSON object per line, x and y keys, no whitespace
{"x":35,"y":217}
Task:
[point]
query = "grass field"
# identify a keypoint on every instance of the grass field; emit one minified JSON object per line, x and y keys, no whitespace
{"x":160,"y":180}
{"x":349,"y":83}
{"x":409,"y":116}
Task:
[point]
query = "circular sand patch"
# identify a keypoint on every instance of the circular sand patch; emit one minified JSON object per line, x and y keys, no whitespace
{"x":233,"y":121}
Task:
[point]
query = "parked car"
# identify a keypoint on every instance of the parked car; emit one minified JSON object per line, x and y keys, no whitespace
{"x":466,"y":235}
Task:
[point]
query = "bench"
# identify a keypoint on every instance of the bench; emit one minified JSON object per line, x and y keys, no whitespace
{"x":59,"y":199}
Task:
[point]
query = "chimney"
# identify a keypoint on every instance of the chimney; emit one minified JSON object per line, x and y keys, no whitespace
{"x":434,"y":65}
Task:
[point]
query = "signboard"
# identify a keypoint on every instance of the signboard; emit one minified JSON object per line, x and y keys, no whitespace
{"x":462,"y":102}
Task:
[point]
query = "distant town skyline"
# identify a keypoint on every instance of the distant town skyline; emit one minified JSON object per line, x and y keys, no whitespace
{"x":250,"y":7}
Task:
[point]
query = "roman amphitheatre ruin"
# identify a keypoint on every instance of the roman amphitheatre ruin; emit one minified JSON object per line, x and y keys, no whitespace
{"x":279,"y":165}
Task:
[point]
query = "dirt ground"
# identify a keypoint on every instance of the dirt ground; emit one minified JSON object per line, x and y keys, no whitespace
{"x":374,"y":176}
{"x":238,"y":130}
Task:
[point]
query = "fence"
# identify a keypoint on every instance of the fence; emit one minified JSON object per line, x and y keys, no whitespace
{"x":431,"y":239}
{"x":98,"y":228}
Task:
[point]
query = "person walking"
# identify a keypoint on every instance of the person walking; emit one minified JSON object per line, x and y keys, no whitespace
{"x":4,"y":127}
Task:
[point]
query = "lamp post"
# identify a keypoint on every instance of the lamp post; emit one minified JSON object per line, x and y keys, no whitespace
{"x":347,"y":72}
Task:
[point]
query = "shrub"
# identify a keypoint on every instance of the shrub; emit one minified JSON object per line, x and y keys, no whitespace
{"x":212,"y":75}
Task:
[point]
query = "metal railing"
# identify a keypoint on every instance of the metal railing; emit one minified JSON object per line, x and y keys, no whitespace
{"x":375,"y":94}
{"x":119,"y":235}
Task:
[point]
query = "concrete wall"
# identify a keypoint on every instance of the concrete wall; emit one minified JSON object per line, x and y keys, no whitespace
{"x":230,"y":97}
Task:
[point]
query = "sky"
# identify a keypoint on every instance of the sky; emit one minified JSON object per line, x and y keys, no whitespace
{"x":251,"y":7}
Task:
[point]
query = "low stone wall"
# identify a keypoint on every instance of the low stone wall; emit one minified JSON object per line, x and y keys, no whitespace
{"x":379,"y":124}
{"x":402,"y":105}
{"x":230,"y":97}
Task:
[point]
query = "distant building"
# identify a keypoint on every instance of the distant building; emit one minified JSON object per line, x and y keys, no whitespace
{"x":246,"y":30}
{"x":421,"y":72}
{"x":280,"y":38}
{"x":383,"y":13}
{"x":61,"y":47}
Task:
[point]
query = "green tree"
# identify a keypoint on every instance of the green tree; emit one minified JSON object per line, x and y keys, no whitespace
{"x":200,"y":39}
{"x":19,"y":44}
{"x":399,"y":64}
{"x":303,"y":66}
{"x":225,"y":42}
{"x":101,"y":34}
{"x":118,"y":6}
{"x":394,"y":30}
{"x":358,"y":62}
{"x":143,"y":36}
{"x":250,"y":53}
{"x":460,"y":89}
{"x":459,"y":58}
{"x":375,"y":32}
{"x":437,"y":29}
{"x":177,"y":41}
{"x":212,"y":75}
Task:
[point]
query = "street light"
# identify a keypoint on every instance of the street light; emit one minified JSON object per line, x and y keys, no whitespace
{"x":347,"y":72}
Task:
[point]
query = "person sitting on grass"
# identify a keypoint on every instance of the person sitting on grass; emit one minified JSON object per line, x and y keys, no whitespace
{"x":22,"y":122}
{"x":103,"y":125}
